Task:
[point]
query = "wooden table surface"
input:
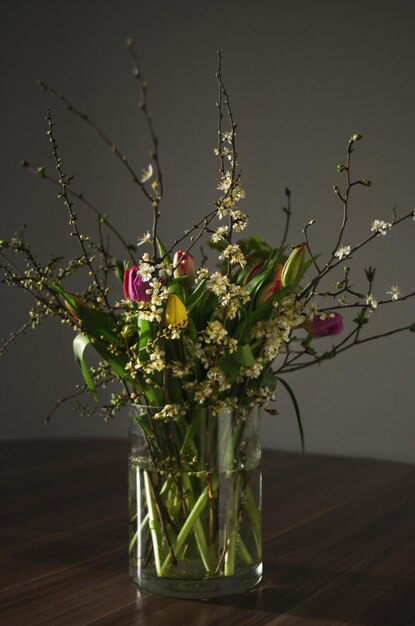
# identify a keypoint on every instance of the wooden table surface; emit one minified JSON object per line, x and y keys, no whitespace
{"x":339,"y":543}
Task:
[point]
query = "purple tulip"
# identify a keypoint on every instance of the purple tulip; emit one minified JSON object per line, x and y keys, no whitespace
{"x":325,"y":325}
{"x":135,"y":288}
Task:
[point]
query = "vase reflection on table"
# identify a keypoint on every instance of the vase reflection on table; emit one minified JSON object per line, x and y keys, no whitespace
{"x":195,"y":502}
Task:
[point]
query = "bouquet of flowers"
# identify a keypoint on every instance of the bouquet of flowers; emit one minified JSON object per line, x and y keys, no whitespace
{"x":196,"y":350}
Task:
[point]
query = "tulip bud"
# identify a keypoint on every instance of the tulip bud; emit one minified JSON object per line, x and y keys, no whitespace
{"x":185,"y":266}
{"x":293,"y":266}
{"x":272,"y":287}
{"x":253,"y":272}
{"x":135,"y":288}
{"x":324,"y":325}
{"x":176,"y":313}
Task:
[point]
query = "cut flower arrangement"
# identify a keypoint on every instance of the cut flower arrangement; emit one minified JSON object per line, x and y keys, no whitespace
{"x":196,"y":351}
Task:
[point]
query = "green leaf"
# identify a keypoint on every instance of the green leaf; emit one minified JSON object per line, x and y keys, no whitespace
{"x":154,"y":395}
{"x":306,"y":343}
{"x":175,"y":390}
{"x":268,"y":379}
{"x":99,"y":324}
{"x":202,"y":313}
{"x":361,"y":319}
{"x":195,"y":297}
{"x":145,"y":332}
{"x":80,"y":342}
{"x":241,"y":326}
{"x":177,"y":288}
{"x":162,"y":251}
{"x":412,"y":328}
{"x":244,"y":356}
{"x":296,"y":408}
{"x":257,"y":281}
{"x":264,"y":309}
{"x":119,"y":269}
{"x":229,"y":366}
{"x":116,"y":361}
{"x":192,"y":330}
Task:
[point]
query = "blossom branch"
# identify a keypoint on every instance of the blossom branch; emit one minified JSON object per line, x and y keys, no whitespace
{"x":330,"y":266}
{"x":41,"y":173}
{"x":158,"y":187}
{"x":64,"y":183}
{"x":368,"y":306}
{"x":14,"y":335}
{"x":334,"y":352}
{"x":113,"y":147}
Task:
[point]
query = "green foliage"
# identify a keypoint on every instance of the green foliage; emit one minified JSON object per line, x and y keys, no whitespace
{"x":95,"y":322}
{"x":80,"y":342}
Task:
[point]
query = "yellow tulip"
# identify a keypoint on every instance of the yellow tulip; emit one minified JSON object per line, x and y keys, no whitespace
{"x":176,"y":313}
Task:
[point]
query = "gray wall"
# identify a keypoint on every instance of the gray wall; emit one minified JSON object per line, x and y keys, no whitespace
{"x":303,"y":77}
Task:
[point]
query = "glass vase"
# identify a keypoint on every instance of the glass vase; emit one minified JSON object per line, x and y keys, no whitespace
{"x":195,"y":501}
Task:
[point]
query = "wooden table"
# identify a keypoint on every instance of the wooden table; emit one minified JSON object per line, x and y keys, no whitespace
{"x":339,"y":543}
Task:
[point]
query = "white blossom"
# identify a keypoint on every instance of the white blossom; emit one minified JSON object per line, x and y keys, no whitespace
{"x":235,"y":255}
{"x":380,"y":227}
{"x":144,"y":238}
{"x":371,"y":301}
{"x":219,"y":234}
{"x":218,"y":283}
{"x":342,"y":252}
{"x":146,"y":270}
{"x":215,"y":332}
{"x":146,"y":173}
{"x":394,"y":292}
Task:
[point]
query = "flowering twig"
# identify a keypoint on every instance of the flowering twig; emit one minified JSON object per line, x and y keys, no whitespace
{"x":368,"y":305}
{"x":330,"y":266}
{"x":334,"y":351}
{"x":307,"y":245}
{"x":64,"y":183}
{"x":113,"y":147}
{"x":14,"y":335}
{"x":158,"y":188}
{"x":41,"y":173}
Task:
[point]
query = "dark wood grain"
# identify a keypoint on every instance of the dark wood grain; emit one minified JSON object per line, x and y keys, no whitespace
{"x":339,"y":543}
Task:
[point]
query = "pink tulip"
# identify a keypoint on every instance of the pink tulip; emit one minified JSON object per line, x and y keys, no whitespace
{"x":322,"y":326}
{"x":185,"y":266}
{"x":135,"y":287}
{"x":272,"y":287}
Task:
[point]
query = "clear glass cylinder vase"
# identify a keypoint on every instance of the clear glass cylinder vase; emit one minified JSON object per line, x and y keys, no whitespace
{"x":195,"y":501}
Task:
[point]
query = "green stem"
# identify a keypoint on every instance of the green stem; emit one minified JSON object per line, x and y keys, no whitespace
{"x":243,"y":552}
{"x":198,"y":526}
{"x":153,"y":523}
{"x":254,"y":514}
{"x":192,"y":519}
{"x":229,"y":567}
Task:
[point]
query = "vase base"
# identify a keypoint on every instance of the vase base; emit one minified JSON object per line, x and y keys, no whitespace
{"x":201,"y":589}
